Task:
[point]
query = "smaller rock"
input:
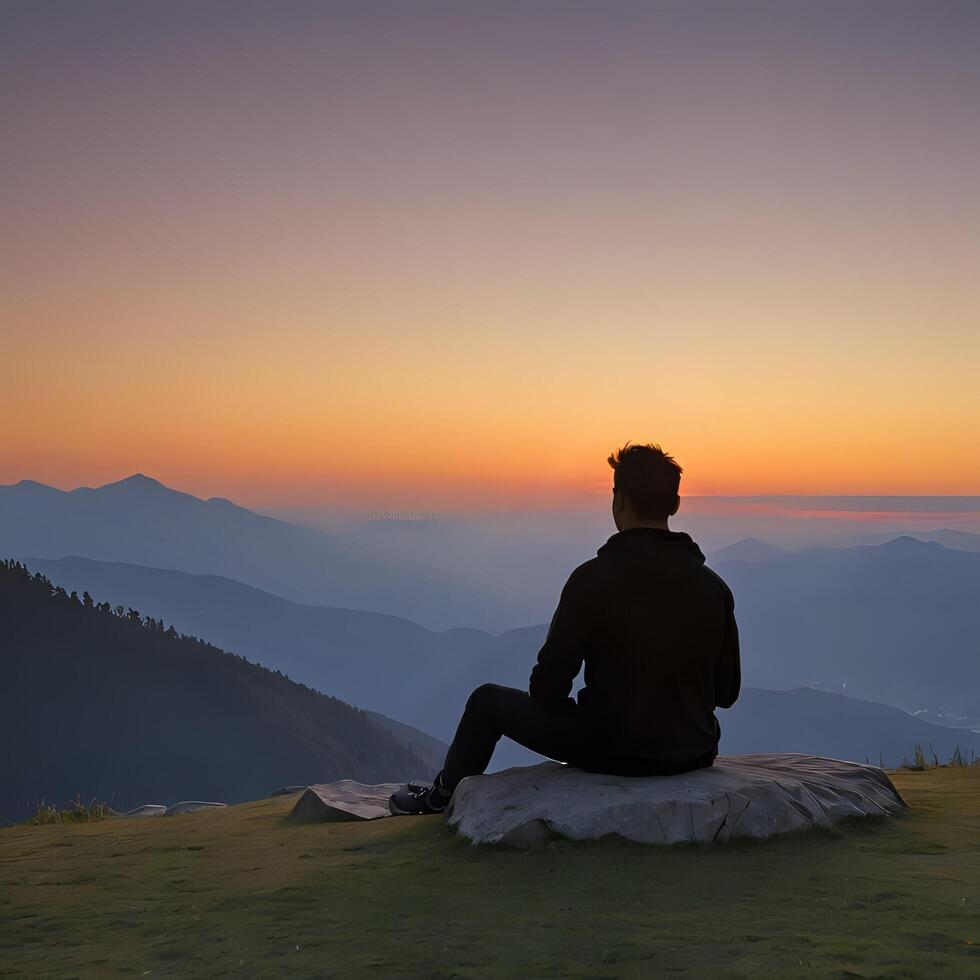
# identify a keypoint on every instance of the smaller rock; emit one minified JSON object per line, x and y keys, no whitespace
{"x":147,"y":810}
{"x":346,"y":799}
{"x":192,"y":806}
{"x":159,"y":810}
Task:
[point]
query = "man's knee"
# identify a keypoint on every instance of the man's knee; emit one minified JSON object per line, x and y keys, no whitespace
{"x":484,"y":697}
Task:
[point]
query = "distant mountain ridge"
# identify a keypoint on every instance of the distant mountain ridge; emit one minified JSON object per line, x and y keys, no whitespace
{"x":947,"y":537}
{"x":140,"y":521}
{"x":748,"y":549}
{"x":112,"y":705}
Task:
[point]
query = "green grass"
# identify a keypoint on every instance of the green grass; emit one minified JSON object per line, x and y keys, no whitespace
{"x":241,"y":892}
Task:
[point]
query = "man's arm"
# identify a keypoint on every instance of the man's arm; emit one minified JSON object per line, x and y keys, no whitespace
{"x":560,"y":659}
{"x":728,"y":676}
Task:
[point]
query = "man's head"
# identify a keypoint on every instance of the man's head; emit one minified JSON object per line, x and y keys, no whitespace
{"x":645,"y":486}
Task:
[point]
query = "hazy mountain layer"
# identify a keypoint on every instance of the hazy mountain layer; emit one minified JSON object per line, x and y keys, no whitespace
{"x":895,"y":623}
{"x":140,"y":521}
{"x":423,"y":678}
{"x":374,"y":661}
{"x":819,"y":723}
{"x":748,"y":549}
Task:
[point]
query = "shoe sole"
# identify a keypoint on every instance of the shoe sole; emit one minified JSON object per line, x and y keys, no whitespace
{"x":397,"y":811}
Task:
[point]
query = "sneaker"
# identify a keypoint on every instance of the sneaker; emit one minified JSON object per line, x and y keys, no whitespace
{"x":417,"y":798}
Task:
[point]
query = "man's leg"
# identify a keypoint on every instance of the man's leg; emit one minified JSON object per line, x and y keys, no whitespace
{"x":492,"y":711}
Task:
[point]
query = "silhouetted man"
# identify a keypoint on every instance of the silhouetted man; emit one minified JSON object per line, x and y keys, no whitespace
{"x":655,"y":628}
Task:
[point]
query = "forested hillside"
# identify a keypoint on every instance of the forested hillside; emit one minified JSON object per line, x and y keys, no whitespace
{"x":101,"y":701}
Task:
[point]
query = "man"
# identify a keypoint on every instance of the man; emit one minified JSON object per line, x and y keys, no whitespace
{"x":656,"y":631}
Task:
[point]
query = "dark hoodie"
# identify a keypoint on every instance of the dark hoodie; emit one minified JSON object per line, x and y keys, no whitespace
{"x":656,"y":630}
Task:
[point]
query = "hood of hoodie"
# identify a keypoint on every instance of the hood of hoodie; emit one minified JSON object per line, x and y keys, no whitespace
{"x":673,"y":549}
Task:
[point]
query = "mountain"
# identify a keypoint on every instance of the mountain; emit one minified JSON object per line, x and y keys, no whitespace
{"x":821,"y":723}
{"x":947,"y":537}
{"x":99,"y":701}
{"x":894,"y":623}
{"x":140,"y":521}
{"x":377,"y":662}
{"x":748,"y":549}
{"x":423,"y":678}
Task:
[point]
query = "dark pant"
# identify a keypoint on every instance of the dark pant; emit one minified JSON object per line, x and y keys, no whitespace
{"x":560,"y":733}
{"x":492,"y":711}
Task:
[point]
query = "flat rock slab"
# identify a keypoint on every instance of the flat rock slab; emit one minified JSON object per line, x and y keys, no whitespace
{"x":147,"y":810}
{"x":192,"y":806}
{"x":159,"y":810}
{"x":739,"y":796}
{"x":344,"y":800}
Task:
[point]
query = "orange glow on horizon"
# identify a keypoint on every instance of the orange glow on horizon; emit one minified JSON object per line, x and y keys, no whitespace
{"x":246,"y":265}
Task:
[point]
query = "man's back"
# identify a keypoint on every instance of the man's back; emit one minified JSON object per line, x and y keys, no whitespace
{"x":656,"y":630}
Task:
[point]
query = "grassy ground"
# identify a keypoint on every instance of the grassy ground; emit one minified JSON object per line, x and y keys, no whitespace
{"x":243,"y":893}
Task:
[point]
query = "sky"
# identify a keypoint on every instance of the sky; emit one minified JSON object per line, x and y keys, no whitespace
{"x":449,"y":255}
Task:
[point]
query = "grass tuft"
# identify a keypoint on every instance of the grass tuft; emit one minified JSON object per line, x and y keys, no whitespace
{"x":920,"y":763}
{"x":77,"y":812}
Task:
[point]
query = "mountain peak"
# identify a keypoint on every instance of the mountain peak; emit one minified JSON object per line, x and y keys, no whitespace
{"x":31,"y":488}
{"x":138,"y":482}
{"x":34,"y":485}
{"x":906,"y":542}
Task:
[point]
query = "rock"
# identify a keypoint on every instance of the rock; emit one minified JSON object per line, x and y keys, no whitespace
{"x":192,"y":806}
{"x":343,"y":800}
{"x":147,"y":810}
{"x":159,"y":810}
{"x":739,"y":796}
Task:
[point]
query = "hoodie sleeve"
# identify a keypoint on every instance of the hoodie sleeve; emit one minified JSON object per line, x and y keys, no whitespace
{"x":728,"y":676}
{"x":560,"y":659}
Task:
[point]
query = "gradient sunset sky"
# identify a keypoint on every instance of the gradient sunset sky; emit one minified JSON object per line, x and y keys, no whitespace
{"x":449,"y":255}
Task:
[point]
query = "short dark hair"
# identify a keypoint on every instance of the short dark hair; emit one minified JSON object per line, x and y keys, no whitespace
{"x":648,"y":477}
